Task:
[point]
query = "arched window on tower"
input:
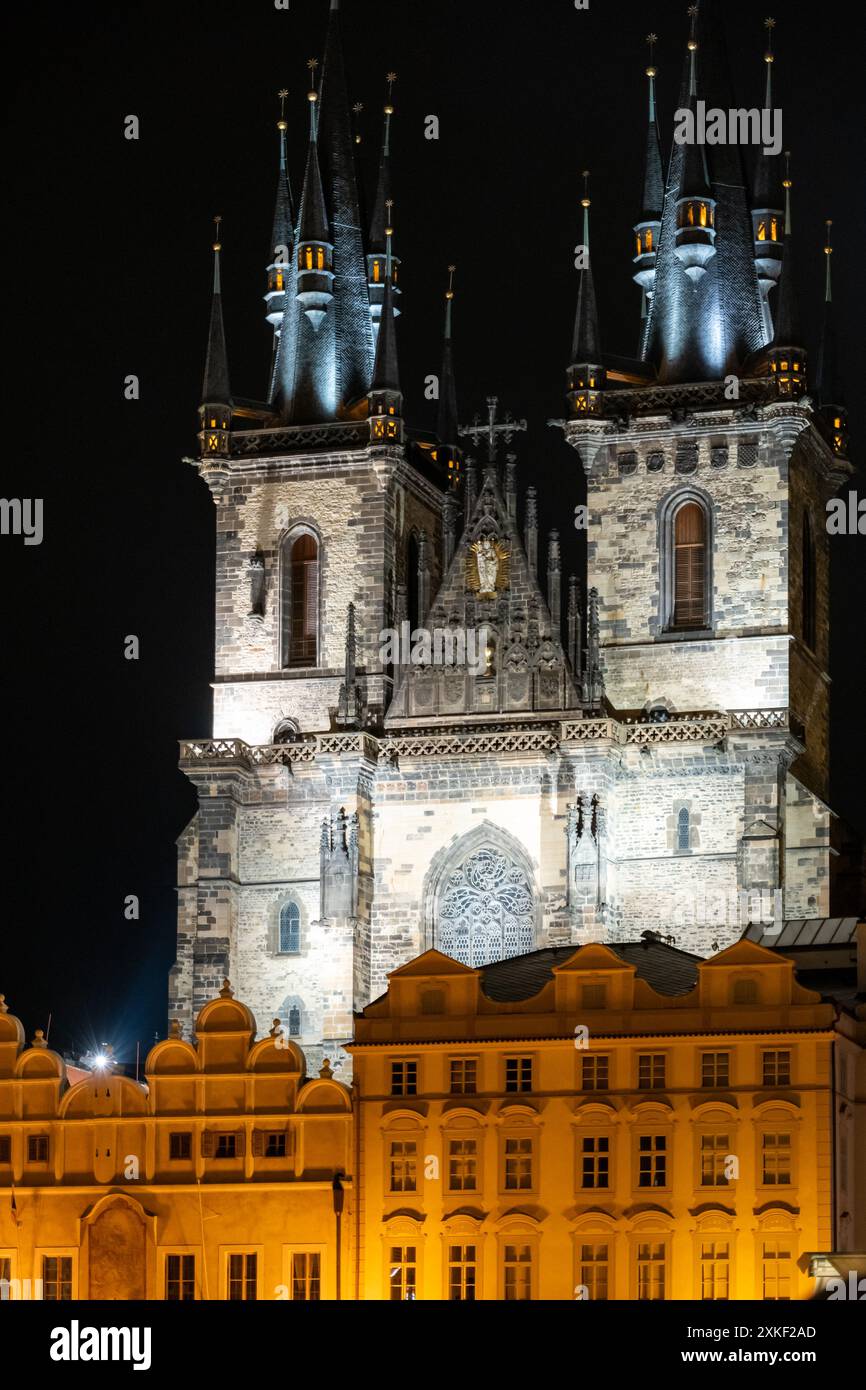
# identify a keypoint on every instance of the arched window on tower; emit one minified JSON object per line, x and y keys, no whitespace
{"x":413,"y":587}
{"x":690,"y":567}
{"x":683,"y":830}
{"x":486,"y":908}
{"x":294,"y":1022}
{"x":300,"y":600}
{"x":809,"y":597}
{"x":290,"y":929}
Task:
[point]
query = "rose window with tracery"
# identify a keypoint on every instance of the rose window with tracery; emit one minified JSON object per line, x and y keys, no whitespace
{"x":486,"y":910}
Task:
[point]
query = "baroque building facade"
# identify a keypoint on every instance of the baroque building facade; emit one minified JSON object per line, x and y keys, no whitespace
{"x":645,"y":750}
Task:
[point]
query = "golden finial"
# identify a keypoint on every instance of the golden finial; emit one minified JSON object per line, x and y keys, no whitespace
{"x":312,"y":64}
{"x":786,"y":181}
{"x":693,"y":15}
{"x":769,"y":25}
{"x":585,"y":200}
{"x":828,"y":249}
{"x":389,"y":203}
{"x":652,"y":40}
{"x":282,"y":94}
{"x":217,"y":245}
{"x":449,"y":293}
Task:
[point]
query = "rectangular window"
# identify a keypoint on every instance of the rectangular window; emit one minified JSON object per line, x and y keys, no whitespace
{"x":180,"y":1278}
{"x":307,"y":1276}
{"x":462,"y":1273}
{"x":179,"y":1146}
{"x":595,"y":1161}
{"x":464,"y":1076}
{"x":651,"y":1272}
{"x":518,"y":1074}
{"x":403,"y":1165}
{"x":776,"y":1160}
{"x":651,"y":1071}
{"x":403,"y":1273}
{"x":57,"y":1278}
{"x":594,"y":1271}
{"x":518,"y":1165}
{"x":776,"y":1270}
{"x":242,"y":1280}
{"x":777,"y":1069}
{"x":715,"y":1069}
{"x":517,"y":1273}
{"x":715,"y":1149}
{"x":37,"y":1148}
{"x":5,"y":1149}
{"x":225,"y":1146}
{"x":652,"y":1160}
{"x":275,"y":1144}
{"x":595,"y":1072}
{"x":5,"y":1278}
{"x":715,"y":1270}
{"x":404,"y":1078}
{"x":462,"y":1165}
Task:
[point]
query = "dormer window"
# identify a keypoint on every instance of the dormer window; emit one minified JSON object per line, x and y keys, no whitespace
{"x":648,"y":240}
{"x":377,"y":273}
{"x":774,"y":229}
{"x":762,"y":231}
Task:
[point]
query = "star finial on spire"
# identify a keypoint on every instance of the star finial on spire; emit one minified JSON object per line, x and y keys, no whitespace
{"x":312,"y":64}
{"x":652,"y":40}
{"x":282,"y":94}
{"x":217,"y":246}
{"x":449,"y":293}
{"x":769,"y":25}
{"x":585,"y":200}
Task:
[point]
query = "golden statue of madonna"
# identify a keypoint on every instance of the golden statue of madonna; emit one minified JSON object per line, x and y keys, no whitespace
{"x":487,"y":567}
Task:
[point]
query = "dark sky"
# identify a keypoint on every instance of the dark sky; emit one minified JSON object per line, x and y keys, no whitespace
{"x":107,"y":269}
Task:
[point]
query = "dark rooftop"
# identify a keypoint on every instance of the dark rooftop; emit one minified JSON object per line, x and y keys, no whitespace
{"x":665,"y":968}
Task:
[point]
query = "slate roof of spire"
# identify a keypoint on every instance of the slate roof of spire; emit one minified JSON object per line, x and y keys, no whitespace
{"x":447,"y":419}
{"x":313,"y":217}
{"x":215,"y":386}
{"x":654,"y":181}
{"x":699,"y":332}
{"x":379,"y":220}
{"x":386,"y":371}
{"x":284,"y":217}
{"x":785,"y":310}
{"x":321,"y":371}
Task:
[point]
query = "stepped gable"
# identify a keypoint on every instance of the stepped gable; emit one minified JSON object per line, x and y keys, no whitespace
{"x":522,"y":666}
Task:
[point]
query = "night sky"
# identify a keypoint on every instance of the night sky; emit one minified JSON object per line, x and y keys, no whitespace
{"x":107,"y":272}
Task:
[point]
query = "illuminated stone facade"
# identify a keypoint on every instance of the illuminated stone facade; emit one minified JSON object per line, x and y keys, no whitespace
{"x":645,"y":750}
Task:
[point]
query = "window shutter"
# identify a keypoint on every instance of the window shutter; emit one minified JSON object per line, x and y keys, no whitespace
{"x":207,"y":1143}
{"x":240,"y":1144}
{"x":258,"y":1143}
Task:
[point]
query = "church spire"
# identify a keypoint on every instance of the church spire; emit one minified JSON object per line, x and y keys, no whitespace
{"x":786,"y":355}
{"x":315,"y":248}
{"x":828,"y":385}
{"x":379,"y":222}
{"x":647,"y":229}
{"x":586,"y":375}
{"x":215,"y":410}
{"x":385,"y":397}
{"x":696,"y":207}
{"x":767,"y":203}
{"x":282,"y":237}
{"x":447,"y":428}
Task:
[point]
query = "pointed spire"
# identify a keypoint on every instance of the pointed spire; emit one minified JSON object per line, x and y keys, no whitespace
{"x":787,"y":319}
{"x":313,"y":216}
{"x":215,"y":386}
{"x":828,"y":382}
{"x":379,"y":220}
{"x":654,"y":183}
{"x":767,"y":175}
{"x":386,"y":372}
{"x":284,"y":217}
{"x":585,"y":344}
{"x":379,"y":241}
{"x":447,"y":428}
